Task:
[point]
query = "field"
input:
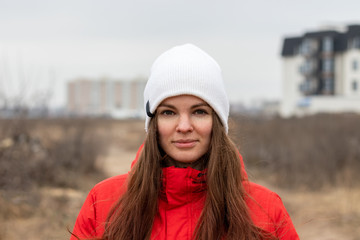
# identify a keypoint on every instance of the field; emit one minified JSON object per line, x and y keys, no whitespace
{"x":42,"y":205}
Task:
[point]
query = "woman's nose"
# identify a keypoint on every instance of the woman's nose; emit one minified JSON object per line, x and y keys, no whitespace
{"x":184,"y":124}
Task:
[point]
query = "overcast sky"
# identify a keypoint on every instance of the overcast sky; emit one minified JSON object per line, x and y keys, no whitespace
{"x":45,"y":44}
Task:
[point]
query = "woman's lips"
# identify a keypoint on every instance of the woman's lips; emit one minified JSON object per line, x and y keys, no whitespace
{"x":186,"y":143}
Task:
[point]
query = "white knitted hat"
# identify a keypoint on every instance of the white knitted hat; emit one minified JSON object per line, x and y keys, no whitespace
{"x":186,"y":69}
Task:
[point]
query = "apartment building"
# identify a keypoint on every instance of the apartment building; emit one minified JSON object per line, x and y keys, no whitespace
{"x":321,"y":72}
{"x":106,"y":97}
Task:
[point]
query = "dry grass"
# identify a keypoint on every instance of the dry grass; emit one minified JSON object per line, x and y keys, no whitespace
{"x":331,"y":212}
{"x":44,"y":212}
{"x":47,"y":152}
{"x":326,"y":214}
{"x":312,"y":152}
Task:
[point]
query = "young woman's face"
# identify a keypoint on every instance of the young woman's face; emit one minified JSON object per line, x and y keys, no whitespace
{"x":184,"y":126}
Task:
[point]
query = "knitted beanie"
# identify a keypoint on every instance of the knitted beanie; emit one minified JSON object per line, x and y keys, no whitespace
{"x":186,"y":70}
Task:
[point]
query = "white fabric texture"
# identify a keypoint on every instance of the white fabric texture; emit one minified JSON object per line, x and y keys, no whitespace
{"x":186,"y":69}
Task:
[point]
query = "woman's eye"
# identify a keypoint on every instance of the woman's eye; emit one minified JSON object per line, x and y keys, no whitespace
{"x":200,"y":112}
{"x":167,"y":112}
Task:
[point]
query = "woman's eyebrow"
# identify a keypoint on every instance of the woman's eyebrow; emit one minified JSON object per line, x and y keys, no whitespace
{"x":167,"y":105}
{"x":193,"y":106}
{"x":200,"y":105}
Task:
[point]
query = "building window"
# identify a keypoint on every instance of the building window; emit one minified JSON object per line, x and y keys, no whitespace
{"x":308,"y":67}
{"x":355,"y":42}
{"x":327,"y":44}
{"x":328,"y":84}
{"x":328,"y":65}
{"x":354,"y":85}
{"x":355,"y":65}
{"x":308,"y":86}
{"x":308,"y":47}
{"x":305,"y":87}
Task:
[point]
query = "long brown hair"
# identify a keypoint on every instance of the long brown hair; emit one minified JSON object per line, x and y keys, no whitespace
{"x":225,"y":214}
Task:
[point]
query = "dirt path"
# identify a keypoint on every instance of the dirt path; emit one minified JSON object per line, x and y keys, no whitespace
{"x":330,"y":214}
{"x":50,"y":223}
{"x":315,"y":215}
{"x":320,"y":215}
{"x":324,"y":215}
{"x":117,"y":161}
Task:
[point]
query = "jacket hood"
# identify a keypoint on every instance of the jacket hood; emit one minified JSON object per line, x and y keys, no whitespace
{"x":243,"y":171}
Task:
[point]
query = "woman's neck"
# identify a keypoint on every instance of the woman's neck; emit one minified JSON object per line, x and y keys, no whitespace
{"x":199,"y":164}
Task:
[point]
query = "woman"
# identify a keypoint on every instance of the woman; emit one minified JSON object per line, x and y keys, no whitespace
{"x":188,"y":179}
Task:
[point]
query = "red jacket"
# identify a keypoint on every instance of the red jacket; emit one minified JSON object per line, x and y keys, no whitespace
{"x":180,"y":205}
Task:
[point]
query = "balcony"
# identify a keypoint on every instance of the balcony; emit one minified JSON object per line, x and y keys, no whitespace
{"x":309,"y":48}
{"x":309,"y":68}
{"x":309,"y":86}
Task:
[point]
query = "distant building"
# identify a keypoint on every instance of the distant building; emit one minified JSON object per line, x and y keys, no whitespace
{"x":106,"y":97}
{"x":321,"y":72}
{"x":263,"y":108}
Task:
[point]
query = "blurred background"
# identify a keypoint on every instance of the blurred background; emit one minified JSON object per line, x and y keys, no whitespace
{"x":72,"y":75}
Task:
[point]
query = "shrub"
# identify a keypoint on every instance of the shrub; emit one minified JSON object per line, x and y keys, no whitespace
{"x":30,"y":154}
{"x":313,"y":151}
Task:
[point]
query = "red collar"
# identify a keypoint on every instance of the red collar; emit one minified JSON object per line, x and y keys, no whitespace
{"x":182,"y":185}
